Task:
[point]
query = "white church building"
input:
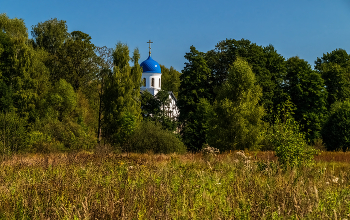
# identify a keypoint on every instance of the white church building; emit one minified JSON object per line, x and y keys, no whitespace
{"x":151,"y":81}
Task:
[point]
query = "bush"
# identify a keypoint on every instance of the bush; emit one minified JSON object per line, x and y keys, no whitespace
{"x":54,"y":135}
{"x":12,"y":133}
{"x":150,"y":136}
{"x":289,"y":143}
{"x":336,"y":131}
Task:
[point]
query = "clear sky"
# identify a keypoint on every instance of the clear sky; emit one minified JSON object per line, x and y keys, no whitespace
{"x":304,"y":28}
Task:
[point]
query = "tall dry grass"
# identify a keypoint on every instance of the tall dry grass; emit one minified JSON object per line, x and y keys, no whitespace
{"x":112,"y":186}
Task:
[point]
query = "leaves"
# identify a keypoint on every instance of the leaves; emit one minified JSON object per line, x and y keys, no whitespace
{"x":195,"y":85}
{"x":237,"y":122}
{"x":121,"y":97}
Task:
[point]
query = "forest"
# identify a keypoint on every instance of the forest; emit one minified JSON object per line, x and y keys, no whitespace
{"x":60,"y":92}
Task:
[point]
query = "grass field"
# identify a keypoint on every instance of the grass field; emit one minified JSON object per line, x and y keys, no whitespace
{"x":88,"y":185}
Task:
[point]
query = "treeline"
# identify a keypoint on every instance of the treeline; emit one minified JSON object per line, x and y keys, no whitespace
{"x":244,"y":96}
{"x":58,"y":91}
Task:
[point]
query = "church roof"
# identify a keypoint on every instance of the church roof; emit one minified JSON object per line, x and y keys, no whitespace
{"x":150,"y":66}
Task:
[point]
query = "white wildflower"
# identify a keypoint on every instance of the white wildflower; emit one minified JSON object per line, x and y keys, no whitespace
{"x":335,"y":179}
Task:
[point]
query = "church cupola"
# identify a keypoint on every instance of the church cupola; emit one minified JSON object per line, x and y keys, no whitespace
{"x":151,"y":74}
{"x":150,"y":66}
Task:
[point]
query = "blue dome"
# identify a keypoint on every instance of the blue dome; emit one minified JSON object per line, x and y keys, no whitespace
{"x":150,"y":66}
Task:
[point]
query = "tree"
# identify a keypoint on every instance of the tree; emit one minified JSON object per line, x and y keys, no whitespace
{"x":24,"y":77}
{"x":195,"y":85}
{"x":61,"y":101}
{"x":157,"y":108}
{"x":150,"y":106}
{"x":50,"y":35}
{"x":121,"y":97}
{"x":334,"y":68}
{"x":71,"y":55}
{"x":78,"y":60}
{"x":307,"y":91}
{"x":336,"y":131}
{"x":237,"y":119}
{"x":170,"y":79}
{"x":266,"y":63}
{"x":105,"y":63}
{"x":54,"y":117}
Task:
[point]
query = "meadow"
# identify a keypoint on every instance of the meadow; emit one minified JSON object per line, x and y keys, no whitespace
{"x":233,"y":185}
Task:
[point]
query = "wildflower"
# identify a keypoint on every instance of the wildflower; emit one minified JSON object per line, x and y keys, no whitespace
{"x":210,"y":150}
{"x":335,"y":179}
{"x":241,"y":154}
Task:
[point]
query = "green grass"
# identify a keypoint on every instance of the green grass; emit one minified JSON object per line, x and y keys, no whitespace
{"x":112,"y":186}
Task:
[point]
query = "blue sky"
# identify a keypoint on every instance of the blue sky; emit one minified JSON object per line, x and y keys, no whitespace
{"x":304,"y":28}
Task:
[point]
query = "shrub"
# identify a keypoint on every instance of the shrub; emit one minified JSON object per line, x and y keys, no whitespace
{"x":289,"y":143}
{"x":52,"y":135}
{"x":12,"y":133}
{"x":336,"y":131}
{"x":150,"y":136}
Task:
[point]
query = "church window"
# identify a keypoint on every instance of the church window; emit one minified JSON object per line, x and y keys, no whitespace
{"x":159,"y":83}
{"x":144,"y":82}
{"x":152,"y":84}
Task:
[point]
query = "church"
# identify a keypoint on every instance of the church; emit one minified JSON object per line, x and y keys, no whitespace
{"x":151,"y":81}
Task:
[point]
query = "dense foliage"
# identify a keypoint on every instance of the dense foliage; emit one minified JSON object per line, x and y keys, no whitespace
{"x":59,"y":91}
{"x":237,"y":119}
{"x":151,"y":137}
{"x":336,"y":131}
{"x":195,"y":86}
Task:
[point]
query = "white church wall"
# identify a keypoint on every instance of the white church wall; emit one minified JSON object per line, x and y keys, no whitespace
{"x":152,"y":89}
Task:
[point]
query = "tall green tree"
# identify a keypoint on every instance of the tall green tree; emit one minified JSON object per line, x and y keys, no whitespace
{"x":71,"y":55}
{"x":78,"y":60}
{"x":105,"y":63}
{"x":50,"y":35}
{"x":23,"y":75}
{"x":121,"y":97}
{"x":307,"y":91}
{"x":237,"y":119}
{"x":266,"y":63}
{"x":335,"y":70}
{"x":195,"y":85}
